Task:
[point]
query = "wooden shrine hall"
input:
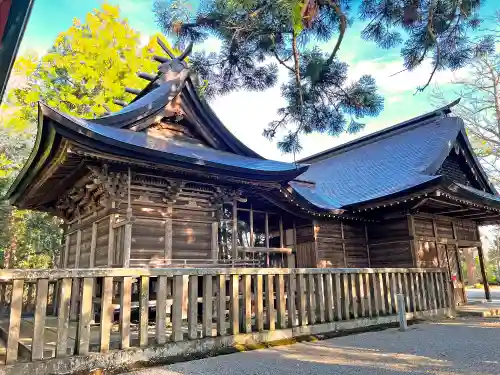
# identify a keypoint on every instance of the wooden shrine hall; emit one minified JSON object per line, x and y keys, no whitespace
{"x":162,"y":182}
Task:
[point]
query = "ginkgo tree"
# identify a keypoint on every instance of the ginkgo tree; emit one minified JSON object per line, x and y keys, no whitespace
{"x":88,"y":66}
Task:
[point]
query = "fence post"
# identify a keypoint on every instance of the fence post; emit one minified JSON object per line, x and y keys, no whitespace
{"x":403,"y":326}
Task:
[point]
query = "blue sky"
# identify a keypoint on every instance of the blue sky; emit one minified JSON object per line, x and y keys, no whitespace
{"x":247,"y":113}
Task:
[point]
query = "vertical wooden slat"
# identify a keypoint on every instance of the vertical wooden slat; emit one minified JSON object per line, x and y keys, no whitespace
{"x":390,"y":308}
{"x":221,"y":305}
{"x":354,"y":295}
{"x":329,"y":316}
{"x":443,"y":290}
{"x":320,"y":297}
{"x":270,"y":319}
{"x":383,"y":294}
{"x":406,"y":291}
{"x":362,"y":295}
{"x":63,"y":318}
{"x":125,"y":306}
{"x":106,"y":313}
{"x":83,"y":342}
{"x":418,"y":292}
{"x":368,"y":294}
{"x":193,"y":307}
{"x":376,"y":294}
{"x":290,"y":300}
{"x":234,"y":311}
{"x":301,"y":297}
{"x":393,"y":293}
{"x":42,"y":288}
{"x":161,"y":309}
{"x":311,"y":308}
{"x":347,"y":299}
{"x":143,"y":311}
{"x":338,"y":297}
{"x":247,"y":304}
{"x":412,"y":292}
{"x":177,"y":308}
{"x":439,"y":303}
{"x":207,"y":305}
{"x":423,"y":290}
{"x":16,"y":306}
{"x":280,"y":300}
{"x":259,"y":303}
{"x":432,"y":286}
{"x":400,"y":283}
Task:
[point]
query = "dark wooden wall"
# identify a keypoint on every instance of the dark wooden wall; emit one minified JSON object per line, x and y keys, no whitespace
{"x":305,"y":253}
{"x":389,"y":243}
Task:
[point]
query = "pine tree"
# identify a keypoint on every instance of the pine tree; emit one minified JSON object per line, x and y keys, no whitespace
{"x":259,"y":35}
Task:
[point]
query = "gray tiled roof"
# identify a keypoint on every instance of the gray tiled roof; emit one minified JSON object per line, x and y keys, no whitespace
{"x":405,"y":157}
{"x":174,"y":150}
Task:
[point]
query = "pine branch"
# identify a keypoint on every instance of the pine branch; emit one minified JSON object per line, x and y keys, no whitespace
{"x":282,"y":62}
{"x":342,"y":29}
{"x":296,"y":58}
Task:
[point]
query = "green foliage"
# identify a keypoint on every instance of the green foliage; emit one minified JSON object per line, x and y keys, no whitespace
{"x":88,"y":66}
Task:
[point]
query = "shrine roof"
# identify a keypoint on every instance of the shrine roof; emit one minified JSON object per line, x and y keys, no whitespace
{"x":403,"y":157}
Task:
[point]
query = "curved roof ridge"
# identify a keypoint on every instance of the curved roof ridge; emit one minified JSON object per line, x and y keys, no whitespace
{"x":381,"y":134}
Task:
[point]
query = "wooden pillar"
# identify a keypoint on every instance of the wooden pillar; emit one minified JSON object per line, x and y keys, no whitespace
{"x":93,"y":245}
{"x":111,"y":236}
{"x":168,"y":236}
{"x":64,"y":262}
{"x":367,"y":246}
{"x":436,"y":243}
{"x":234,"y":236}
{"x":75,"y":290}
{"x":127,"y":231}
{"x":267,"y":229}
{"x":266,"y":224}
{"x":282,"y":233}
{"x":343,"y":242}
{"x":413,"y":240}
{"x":487,"y":293}
{"x":252,"y":239}
{"x":215,"y":242}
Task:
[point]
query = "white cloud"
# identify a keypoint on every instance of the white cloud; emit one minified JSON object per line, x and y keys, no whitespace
{"x":392,"y":77}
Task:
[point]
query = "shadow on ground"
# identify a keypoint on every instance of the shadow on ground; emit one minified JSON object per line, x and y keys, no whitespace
{"x":454,"y":347}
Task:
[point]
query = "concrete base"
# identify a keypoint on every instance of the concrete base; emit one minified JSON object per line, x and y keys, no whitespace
{"x":482,"y":309}
{"x":116,"y":361}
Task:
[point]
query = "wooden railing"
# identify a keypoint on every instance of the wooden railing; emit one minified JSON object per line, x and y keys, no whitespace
{"x":97,"y":310}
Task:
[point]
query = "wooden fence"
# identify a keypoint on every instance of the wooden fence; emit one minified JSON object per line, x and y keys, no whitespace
{"x":99,"y":311}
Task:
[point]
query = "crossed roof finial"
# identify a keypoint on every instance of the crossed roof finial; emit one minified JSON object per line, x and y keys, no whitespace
{"x":167,"y":50}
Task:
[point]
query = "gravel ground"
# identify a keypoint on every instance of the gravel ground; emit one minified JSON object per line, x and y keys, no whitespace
{"x":454,"y":347}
